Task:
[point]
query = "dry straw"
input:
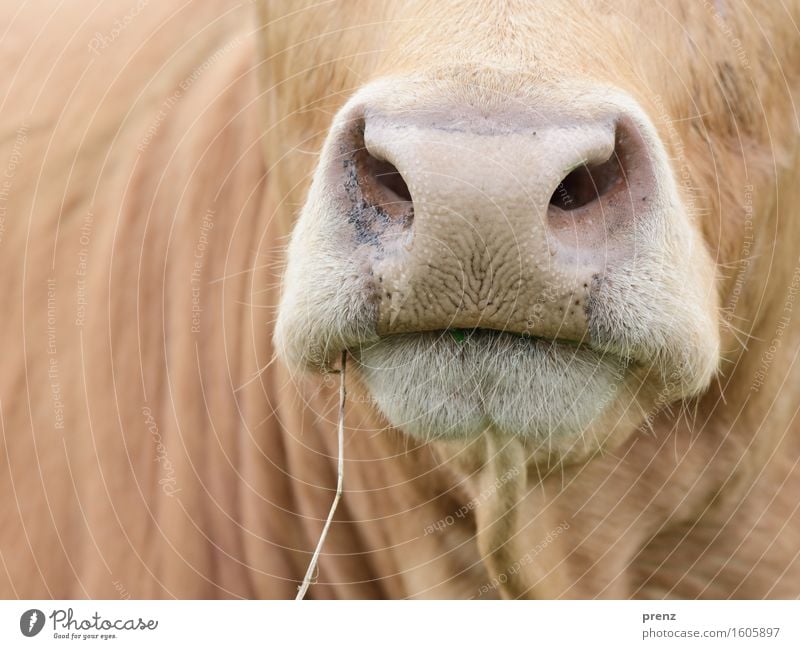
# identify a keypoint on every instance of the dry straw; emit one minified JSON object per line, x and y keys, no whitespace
{"x":312,"y":566}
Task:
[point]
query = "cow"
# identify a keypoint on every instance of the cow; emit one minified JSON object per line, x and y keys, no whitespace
{"x":547,"y":248}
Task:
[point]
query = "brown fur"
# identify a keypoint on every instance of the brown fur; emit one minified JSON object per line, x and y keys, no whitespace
{"x":700,"y":503}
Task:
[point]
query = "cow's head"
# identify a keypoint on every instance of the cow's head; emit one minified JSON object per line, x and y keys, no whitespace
{"x":502,"y":227}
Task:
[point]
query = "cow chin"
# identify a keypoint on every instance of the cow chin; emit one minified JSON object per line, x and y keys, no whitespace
{"x":440,"y":385}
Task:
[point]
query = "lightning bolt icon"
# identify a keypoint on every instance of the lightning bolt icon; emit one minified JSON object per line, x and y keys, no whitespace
{"x":32,"y":620}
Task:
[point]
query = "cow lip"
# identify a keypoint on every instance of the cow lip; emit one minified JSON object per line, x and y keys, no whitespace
{"x":461,"y":335}
{"x":464,"y":334}
{"x":430,"y":381}
{"x":483,"y":335}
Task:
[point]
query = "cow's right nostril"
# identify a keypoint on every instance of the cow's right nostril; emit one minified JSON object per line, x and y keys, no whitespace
{"x":383,"y":186}
{"x":387,"y":176}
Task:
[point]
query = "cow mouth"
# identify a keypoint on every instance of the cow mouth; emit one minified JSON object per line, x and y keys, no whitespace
{"x":461,"y":335}
{"x":456,"y":340}
{"x":488,"y":340}
{"x":457,"y":383}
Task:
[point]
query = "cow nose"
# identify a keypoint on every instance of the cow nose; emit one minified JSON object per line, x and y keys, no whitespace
{"x":494,"y":222}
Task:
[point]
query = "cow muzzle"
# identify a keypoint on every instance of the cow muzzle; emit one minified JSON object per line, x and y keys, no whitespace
{"x":498,"y":251}
{"x":499,"y":222}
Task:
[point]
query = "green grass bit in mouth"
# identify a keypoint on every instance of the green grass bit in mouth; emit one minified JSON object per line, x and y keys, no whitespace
{"x":458,"y":335}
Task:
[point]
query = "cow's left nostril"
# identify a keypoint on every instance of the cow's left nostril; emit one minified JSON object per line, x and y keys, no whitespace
{"x":587,"y":183}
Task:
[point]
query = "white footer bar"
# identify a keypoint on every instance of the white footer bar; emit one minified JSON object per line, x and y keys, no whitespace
{"x":350,"y":625}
